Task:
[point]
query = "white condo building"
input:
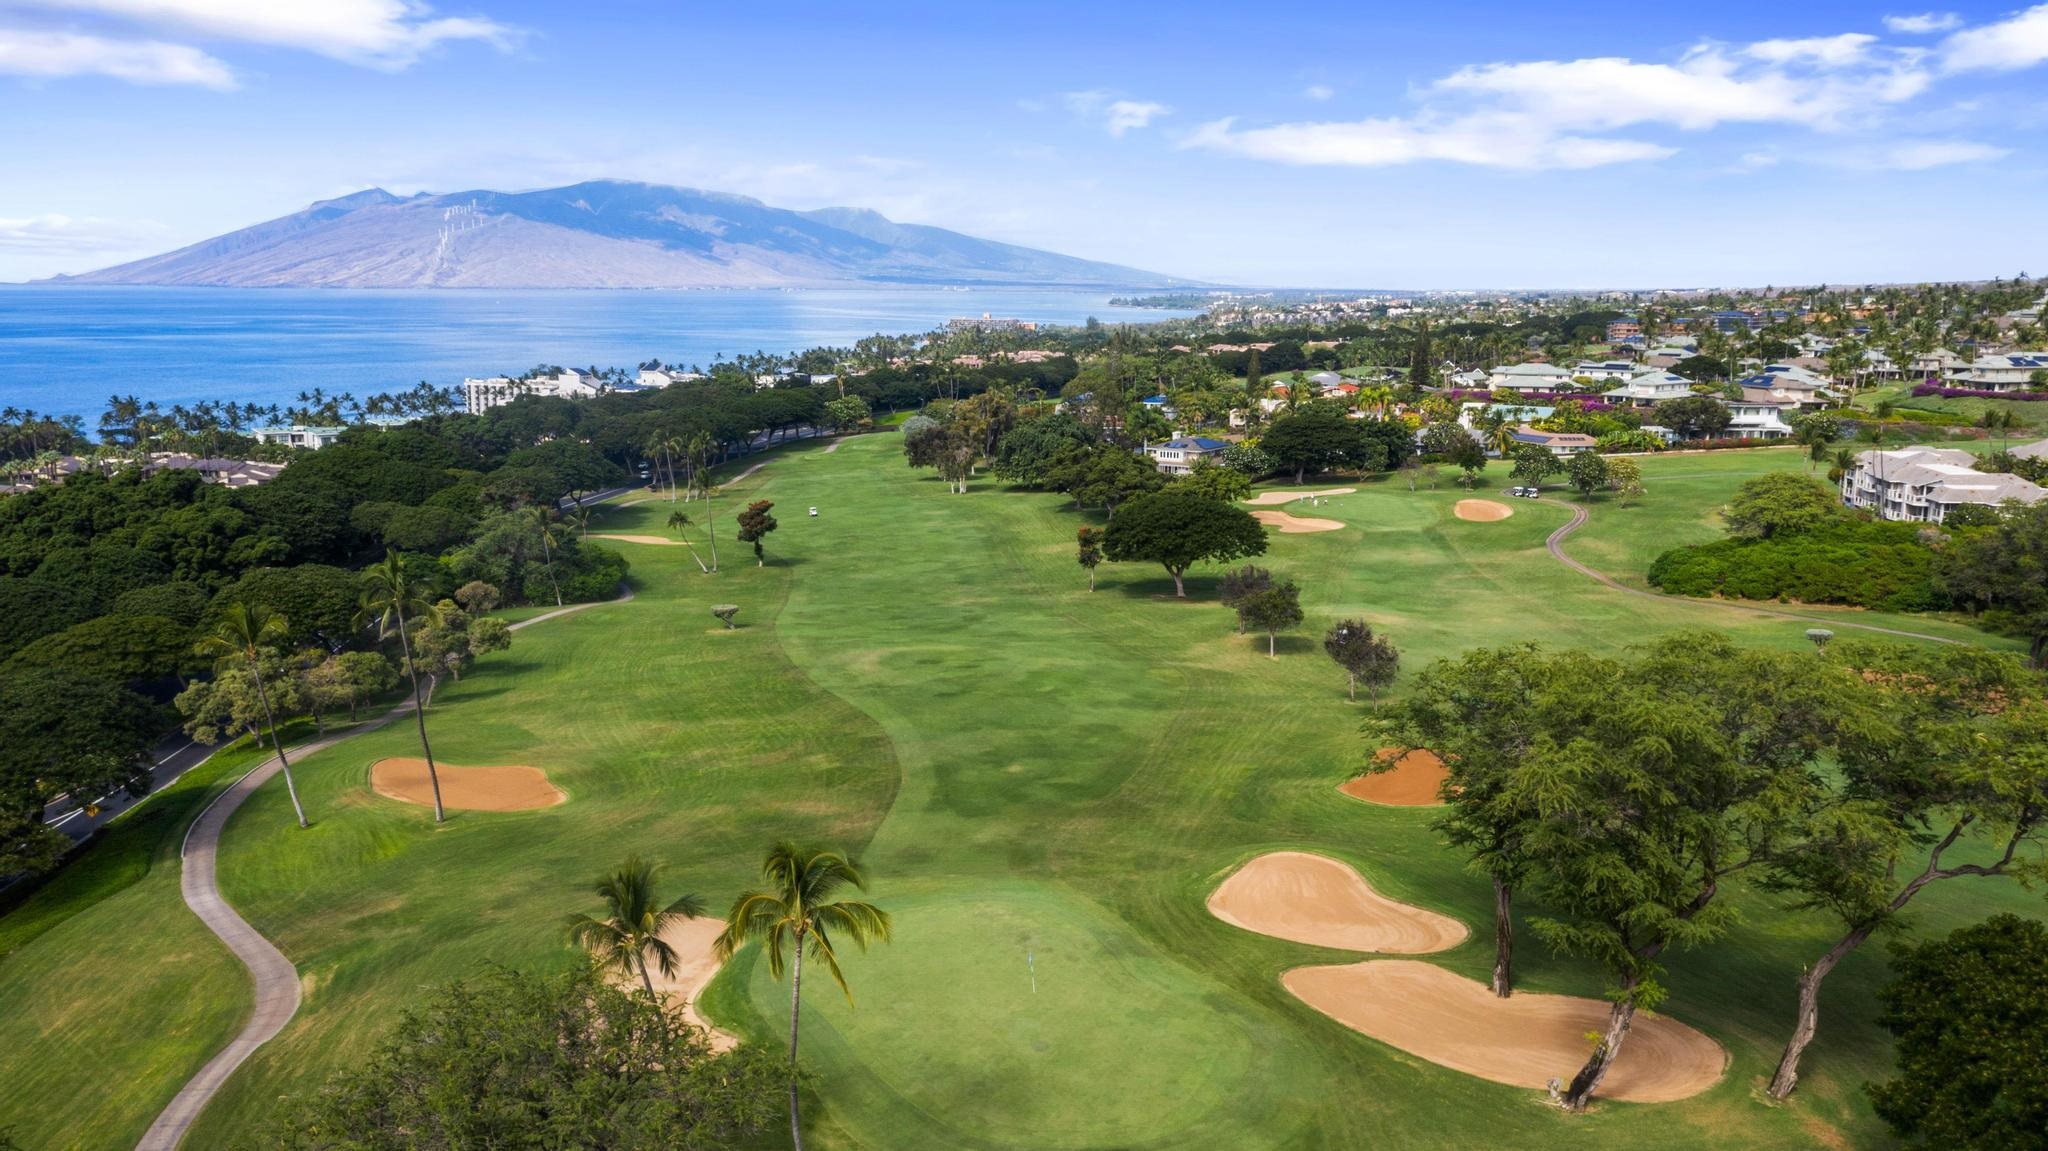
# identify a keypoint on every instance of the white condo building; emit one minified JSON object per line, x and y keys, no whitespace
{"x":568,"y":384}
{"x":1925,"y":484}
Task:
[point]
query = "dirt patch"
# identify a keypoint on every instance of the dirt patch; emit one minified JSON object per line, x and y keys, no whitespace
{"x":1525,"y":1040}
{"x":465,"y":788}
{"x":695,"y":965}
{"x":1416,"y":781}
{"x":655,"y":540}
{"x":1315,"y":899}
{"x":1481,"y":511}
{"x":1274,"y":499}
{"x":1295,"y":525}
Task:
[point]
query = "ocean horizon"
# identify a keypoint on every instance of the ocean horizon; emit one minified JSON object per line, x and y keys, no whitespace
{"x":64,"y":350}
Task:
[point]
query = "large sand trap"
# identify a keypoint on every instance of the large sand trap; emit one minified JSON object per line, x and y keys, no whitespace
{"x":695,"y":966}
{"x":1525,"y":1040}
{"x":656,"y":540}
{"x":1416,"y":781}
{"x":1482,"y":511}
{"x":1295,"y":525}
{"x":465,"y":788}
{"x":1315,"y":899}
{"x":1273,"y":499}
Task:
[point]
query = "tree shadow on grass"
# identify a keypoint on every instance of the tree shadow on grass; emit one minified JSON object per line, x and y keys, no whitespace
{"x":1201,"y":589}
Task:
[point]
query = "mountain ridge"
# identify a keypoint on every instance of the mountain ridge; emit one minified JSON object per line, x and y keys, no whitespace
{"x":600,"y":234}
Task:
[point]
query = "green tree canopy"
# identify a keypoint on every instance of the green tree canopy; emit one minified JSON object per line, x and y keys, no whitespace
{"x":1780,"y":503}
{"x":1177,"y":529}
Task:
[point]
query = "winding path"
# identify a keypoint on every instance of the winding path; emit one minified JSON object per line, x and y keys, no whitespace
{"x":1555,"y":542}
{"x":276,"y":980}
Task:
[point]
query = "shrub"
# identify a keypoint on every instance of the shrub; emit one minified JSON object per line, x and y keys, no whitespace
{"x":1873,"y":565}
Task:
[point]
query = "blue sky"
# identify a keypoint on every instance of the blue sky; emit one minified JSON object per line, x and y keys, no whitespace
{"x":1430,"y":145}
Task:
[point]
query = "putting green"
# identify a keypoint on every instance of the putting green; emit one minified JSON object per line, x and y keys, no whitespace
{"x":948,"y":1026}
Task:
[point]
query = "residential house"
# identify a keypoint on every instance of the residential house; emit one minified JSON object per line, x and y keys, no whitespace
{"x":1537,"y":377}
{"x":1756,"y":418}
{"x":1559,"y":443}
{"x":1605,"y":371}
{"x":663,"y":377}
{"x":1926,"y":484}
{"x":297,"y":435}
{"x":2012,"y":372}
{"x":1937,"y":364}
{"x":1623,"y":329}
{"x":1178,"y":456}
{"x":1649,"y":389}
{"x":1788,"y":383}
{"x":2033,"y":451}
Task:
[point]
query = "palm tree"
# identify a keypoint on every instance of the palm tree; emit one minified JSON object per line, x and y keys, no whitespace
{"x":578,"y":517}
{"x":700,"y":454}
{"x":543,"y":522}
{"x":630,"y":933}
{"x":667,"y":446}
{"x":242,"y":636}
{"x":798,"y":911}
{"x":390,"y":597}
{"x":678,"y":520}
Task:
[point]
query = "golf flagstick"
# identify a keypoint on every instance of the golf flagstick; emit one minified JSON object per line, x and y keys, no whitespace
{"x":1031,"y":965}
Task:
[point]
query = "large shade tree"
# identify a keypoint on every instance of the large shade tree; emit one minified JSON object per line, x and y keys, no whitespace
{"x":1178,"y":529}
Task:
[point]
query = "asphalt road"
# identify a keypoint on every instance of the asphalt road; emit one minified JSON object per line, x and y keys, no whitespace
{"x":171,"y":758}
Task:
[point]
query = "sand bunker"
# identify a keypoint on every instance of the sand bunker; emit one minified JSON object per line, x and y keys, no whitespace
{"x":465,"y":788}
{"x":1482,"y":511}
{"x":1295,"y":525}
{"x":1525,"y":1041}
{"x":695,"y":965}
{"x":1416,"y":781}
{"x":1314,"y":899}
{"x":656,"y":540}
{"x":1273,"y":499}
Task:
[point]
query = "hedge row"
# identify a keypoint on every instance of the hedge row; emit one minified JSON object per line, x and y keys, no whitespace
{"x":1873,"y":565}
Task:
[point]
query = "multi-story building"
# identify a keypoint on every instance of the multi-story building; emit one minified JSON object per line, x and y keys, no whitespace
{"x":1926,"y":484}
{"x":1179,"y":456}
{"x":2013,"y":372}
{"x":1648,"y":389}
{"x":297,"y":435}
{"x":568,"y":384}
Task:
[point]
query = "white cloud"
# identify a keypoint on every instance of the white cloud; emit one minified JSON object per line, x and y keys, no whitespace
{"x":1118,"y":115}
{"x":1552,"y":113}
{"x":55,"y":234}
{"x":2020,"y":41}
{"x":1318,"y":92}
{"x":374,"y":33}
{"x":1923,"y":23}
{"x":1493,"y":142}
{"x":1123,"y":115}
{"x":1823,"y":51}
{"x":1920,"y":155}
{"x":53,"y":54}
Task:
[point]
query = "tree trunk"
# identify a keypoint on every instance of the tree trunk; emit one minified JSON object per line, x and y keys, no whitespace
{"x":1503,"y":939}
{"x":796,"y":999}
{"x":1180,"y":590}
{"x":1091,"y":579}
{"x":290,"y":788}
{"x":547,"y":552}
{"x":1588,"y":1079}
{"x":419,"y":712}
{"x":1272,"y":638}
{"x":710,"y":527}
{"x":1787,"y":1076}
{"x":648,"y":980}
{"x":1352,"y":691}
{"x":1299,"y":475}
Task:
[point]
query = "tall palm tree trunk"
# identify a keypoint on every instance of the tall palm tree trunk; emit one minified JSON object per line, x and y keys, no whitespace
{"x":419,"y":712}
{"x":290,"y":788}
{"x":796,"y":998}
{"x":710,"y":526}
{"x":548,"y":553}
{"x":647,"y":980}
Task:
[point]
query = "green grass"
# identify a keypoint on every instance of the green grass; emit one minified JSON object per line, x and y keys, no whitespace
{"x":2033,"y":413}
{"x":115,"y":993}
{"x":1024,"y":766}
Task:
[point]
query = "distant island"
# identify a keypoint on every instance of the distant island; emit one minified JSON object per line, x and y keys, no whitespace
{"x":602,"y":234}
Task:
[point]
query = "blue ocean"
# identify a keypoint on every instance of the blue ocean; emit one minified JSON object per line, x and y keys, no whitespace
{"x":65,"y":350}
